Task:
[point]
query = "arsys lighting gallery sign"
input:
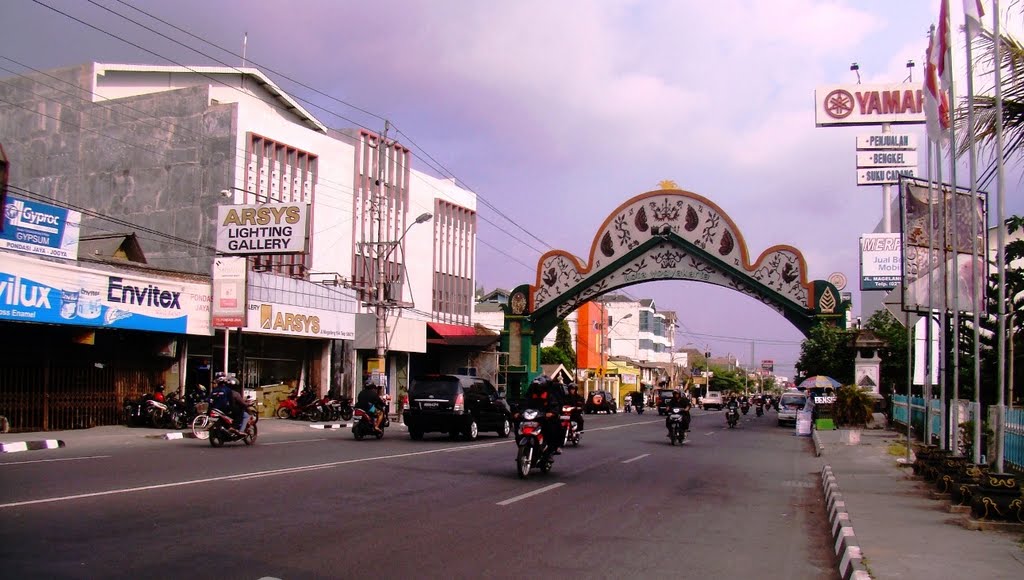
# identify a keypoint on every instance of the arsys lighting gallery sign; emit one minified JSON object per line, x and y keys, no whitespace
{"x":272,"y":228}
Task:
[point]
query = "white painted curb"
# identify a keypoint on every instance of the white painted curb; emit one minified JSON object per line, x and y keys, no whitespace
{"x":38,"y":445}
{"x":851,"y":558}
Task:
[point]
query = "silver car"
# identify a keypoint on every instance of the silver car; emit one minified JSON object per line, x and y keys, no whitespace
{"x":789,"y":405}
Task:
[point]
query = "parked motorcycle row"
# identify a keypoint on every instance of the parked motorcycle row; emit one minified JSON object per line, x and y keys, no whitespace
{"x":173,"y":412}
{"x":308,"y":407}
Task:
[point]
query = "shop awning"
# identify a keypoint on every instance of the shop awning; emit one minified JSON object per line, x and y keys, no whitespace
{"x":458,"y":335}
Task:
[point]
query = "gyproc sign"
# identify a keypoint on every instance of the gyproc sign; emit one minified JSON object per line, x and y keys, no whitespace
{"x":272,"y":228}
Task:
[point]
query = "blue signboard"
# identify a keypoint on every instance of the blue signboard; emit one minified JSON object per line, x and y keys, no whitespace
{"x":36,"y":291}
{"x":38,"y":228}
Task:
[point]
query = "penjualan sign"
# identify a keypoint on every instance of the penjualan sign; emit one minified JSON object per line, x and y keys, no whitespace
{"x":898,"y":104}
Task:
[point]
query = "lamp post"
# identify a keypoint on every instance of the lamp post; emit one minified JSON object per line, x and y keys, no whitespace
{"x":606,"y":340}
{"x":381,"y":301}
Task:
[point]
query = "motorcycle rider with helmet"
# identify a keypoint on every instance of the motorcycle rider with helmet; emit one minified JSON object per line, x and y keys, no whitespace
{"x":227,"y":398}
{"x":576,"y":400}
{"x":678,"y":401}
{"x":546,"y":397}
{"x":370,"y":402}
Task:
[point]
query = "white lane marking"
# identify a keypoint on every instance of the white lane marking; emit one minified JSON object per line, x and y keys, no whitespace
{"x":710,"y":433}
{"x":636,"y":458}
{"x":281,"y":472}
{"x":220,"y":478}
{"x":621,"y":426}
{"x":465,"y":447}
{"x":296,"y":441}
{"x":50,"y":460}
{"x":531,"y":494}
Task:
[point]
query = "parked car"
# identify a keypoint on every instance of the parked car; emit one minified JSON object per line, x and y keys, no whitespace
{"x":663,"y":397}
{"x":457,"y":405}
{"x":598,"y":401}
{"x":789,"y":405}
{"x":712,"y":399}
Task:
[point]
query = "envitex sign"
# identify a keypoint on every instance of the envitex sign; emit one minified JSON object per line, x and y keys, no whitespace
{"x":898,"y":104}
{"x":886,"y":141}
{"x":887,"y":159}
{"x":884,"y":175}
{"x":270,"y":228}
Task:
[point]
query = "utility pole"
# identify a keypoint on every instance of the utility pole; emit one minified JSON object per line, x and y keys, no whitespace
{"x":382,"y":206}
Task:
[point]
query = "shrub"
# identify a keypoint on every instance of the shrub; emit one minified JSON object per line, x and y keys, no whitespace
{"x":853,"y":406}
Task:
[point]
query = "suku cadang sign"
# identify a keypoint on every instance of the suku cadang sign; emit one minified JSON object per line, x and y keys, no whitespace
{"x":38,"y":228}
{"x":272,"y":228}
{"x":898,"y":104}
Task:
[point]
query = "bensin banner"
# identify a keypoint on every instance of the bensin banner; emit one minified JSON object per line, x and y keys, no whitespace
{"x":38,"y":228}
{"x":271,"y":228}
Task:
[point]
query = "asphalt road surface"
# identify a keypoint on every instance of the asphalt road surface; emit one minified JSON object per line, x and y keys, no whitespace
{"x":731,"y":503}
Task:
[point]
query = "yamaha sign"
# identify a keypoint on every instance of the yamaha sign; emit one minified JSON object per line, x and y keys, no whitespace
{"x":897,"y":104}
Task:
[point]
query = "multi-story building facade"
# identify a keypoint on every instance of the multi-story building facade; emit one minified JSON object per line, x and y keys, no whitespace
{"x":159,"y":149}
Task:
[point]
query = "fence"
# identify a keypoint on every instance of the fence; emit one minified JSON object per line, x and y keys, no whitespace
{"x":1013,"y":448}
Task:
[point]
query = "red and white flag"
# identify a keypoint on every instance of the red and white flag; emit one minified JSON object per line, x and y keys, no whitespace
{"x":973,"y":11}
{"x":936,"y":100}
{"x":940,"y":55}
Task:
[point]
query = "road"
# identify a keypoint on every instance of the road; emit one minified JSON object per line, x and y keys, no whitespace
{"x":304,"y":503}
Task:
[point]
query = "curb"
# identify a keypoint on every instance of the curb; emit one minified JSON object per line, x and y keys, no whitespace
{"x":331,"y":426}
{"x":818,"y":447}
{"x":173,"y":435}
{"x":851,"y":558}
{"x":38,"y":445}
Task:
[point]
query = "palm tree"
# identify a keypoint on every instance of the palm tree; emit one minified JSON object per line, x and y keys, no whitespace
{"x":1011,"y":63}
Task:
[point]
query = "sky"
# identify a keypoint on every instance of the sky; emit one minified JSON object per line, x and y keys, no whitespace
{"x":556,"y":113}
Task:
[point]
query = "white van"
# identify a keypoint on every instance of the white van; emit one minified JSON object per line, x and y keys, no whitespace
{"x":789,"y":404}
{"x":713,"y":399}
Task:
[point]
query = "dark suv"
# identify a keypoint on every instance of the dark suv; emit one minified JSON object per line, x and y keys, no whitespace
{"x":663,"y":397}
{"x":598,"y":401}
{"x":456,"y":405}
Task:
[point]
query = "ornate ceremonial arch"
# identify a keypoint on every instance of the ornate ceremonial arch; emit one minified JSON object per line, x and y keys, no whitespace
{"x":668,"y":234}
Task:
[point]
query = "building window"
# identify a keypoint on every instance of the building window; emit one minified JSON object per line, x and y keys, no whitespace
{"x":645,"y":321}
{"x":279,"y":173}
{"x":454,"y":244}
{"x":646,"y":344}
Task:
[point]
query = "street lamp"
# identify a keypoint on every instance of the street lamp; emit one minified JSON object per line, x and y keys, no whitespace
{"x":606,"y":340}
{"x":381,"y":302}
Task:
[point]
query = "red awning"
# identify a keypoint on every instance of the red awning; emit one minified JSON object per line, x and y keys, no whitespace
{"x":458,"y":335}
{"x":450,"y":330}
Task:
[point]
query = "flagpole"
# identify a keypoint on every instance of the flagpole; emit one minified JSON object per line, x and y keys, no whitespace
{"x":975,"y":231}
{"x":941,"y":342}
{"x":1000,"y":242}
{"x":954,"y":341}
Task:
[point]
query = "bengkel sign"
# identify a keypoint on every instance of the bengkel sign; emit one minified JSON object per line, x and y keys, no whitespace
{"x":270,"y":228}
{"x":897,"y":104}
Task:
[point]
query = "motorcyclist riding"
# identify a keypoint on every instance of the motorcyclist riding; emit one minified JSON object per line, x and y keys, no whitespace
{"x":546,"y":397}
{"x":680,"y":402}
{"x":228,"y":400}
{"x":576,"y":400}
{"x":370,"y":402}
{"x":638,"y":400}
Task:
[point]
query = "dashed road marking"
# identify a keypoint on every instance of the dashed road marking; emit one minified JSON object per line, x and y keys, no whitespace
{"x":638,"y":457}
{"x":51,"y":460}
{"x":296,"y":441}
{"x":531,"y":493}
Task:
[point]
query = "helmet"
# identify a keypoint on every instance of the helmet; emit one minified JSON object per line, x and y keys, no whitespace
{"x":571,"y":387}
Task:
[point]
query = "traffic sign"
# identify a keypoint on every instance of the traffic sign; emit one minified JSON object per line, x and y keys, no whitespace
{"x":887,"y":159}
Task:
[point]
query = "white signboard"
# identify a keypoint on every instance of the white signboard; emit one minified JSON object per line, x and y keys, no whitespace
{"x":228,"y":306}
{"x":886,"y":141}
{"x":884,"y":175}
{"x":38,"y":228}
{"x":887,"y":159}
{"x":898,"y":103}
{"x":272,"y":318}
{"x":270,"y":228}
{"x":881,"y":259}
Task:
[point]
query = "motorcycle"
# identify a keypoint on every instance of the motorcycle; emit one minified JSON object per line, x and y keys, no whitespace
{"x":220,"y":431}
{"x":305,"y":407}
{"x":640,"y":409}
{"x":732,"y":416}
{"x":745,"y":407}
{"x":344,"y":405}
{"x":363,"y":425}
{"x":569,"y":426}
{"x":677,"y":425}
{"x":163,"y":415}
{"x":532,"y":452}
{"x":759,"y":410}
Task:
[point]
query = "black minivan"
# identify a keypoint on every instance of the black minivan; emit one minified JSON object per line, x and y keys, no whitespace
{"x":457,"y":405}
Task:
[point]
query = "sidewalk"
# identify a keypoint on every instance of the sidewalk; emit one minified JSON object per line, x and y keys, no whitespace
{"x":119,"y":434}
{"x":901,"y":532}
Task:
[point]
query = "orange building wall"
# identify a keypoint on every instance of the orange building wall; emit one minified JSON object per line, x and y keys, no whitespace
{"x":589,"y":330}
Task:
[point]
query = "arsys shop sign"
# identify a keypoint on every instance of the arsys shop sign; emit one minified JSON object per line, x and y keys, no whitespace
{"x":270,"y":318}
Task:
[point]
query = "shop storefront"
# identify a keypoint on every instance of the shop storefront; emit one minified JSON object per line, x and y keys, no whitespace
{"x":78,"y":340}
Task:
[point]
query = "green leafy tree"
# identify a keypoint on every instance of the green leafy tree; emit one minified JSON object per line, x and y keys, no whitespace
{"x":893,"y":374}
{"x":553,"y":355}
{"x":563,"y":340}
{"x":827,"y":351}
{"x":852,"y":406}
